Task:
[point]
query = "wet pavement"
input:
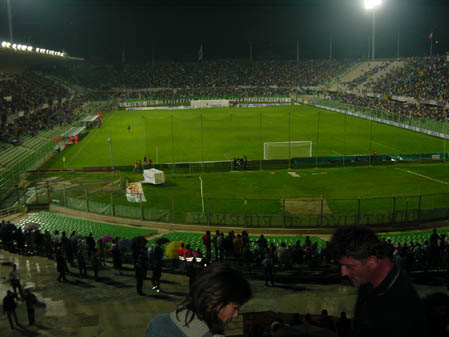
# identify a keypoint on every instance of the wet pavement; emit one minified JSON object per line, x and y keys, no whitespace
{"x":111,"y":307}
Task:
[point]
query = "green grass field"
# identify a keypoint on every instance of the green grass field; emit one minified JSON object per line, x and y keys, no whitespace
{"x":221,"y":134}
{"x":374,"y":188}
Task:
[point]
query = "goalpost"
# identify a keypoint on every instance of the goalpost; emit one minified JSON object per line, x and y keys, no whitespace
{"x":286,"y":150}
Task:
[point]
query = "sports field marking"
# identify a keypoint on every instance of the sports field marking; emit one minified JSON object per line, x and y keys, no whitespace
{"x":81,"y":148}
{"x":423,"y":176}
{"x":387,"y":146}
{"x":337,"y":153}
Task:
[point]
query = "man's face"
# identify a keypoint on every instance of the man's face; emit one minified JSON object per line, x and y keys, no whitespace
{"x":228,"y":312}
{"x":359,"y":272}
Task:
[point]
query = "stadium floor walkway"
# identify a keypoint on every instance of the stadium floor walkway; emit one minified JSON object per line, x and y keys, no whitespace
{"x":111,"y":307}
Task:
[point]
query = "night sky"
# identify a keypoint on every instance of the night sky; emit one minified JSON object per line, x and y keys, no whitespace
{"x":170,"y":29}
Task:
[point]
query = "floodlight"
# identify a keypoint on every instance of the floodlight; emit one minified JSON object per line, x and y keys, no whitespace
{"x":30,"y":48}
{"x":4,"y":44}
{"x":14,"y":46}
{"x":371,"y":4}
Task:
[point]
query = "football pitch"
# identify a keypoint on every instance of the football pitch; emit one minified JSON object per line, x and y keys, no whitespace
{"x":220,"y":134}
{"x":198,"y":135}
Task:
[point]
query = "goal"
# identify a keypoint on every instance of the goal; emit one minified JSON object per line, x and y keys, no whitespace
{"x":286,"y":150}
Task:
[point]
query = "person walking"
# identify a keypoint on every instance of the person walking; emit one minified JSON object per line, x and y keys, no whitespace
{"x":30,"y":301}
{"x":95,"y":261}
{"x":116,"y":259}
{"x":268,"y":266}
{"x":14,"y":279}
{"x":215,"y":243}
{"x":157,"y":267}
{"x":9,"y":308}
{"x":139,"y":272}
{"x":81,"y":258}
{"x":61,"y":266}
{"x":207,"y":242}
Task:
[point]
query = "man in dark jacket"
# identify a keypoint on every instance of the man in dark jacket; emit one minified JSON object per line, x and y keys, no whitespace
{"x":9,"y":307}
{"x":387,"y":303}
{"x":30,"y":301}
{"x":157,"y":267}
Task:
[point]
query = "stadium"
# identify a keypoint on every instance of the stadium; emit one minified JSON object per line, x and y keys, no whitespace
{"x":291,"y":137}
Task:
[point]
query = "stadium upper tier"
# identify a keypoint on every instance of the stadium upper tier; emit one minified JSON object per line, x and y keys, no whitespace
{"x":32,"y":103}
{"x":22,"y":91}
{"x":419,"y":77}
{"x":221,"y":73}
{"x":392,"y":106}
{"x":43,"y":93}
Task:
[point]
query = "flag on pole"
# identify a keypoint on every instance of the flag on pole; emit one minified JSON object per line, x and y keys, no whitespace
{"x":200,"y":53}
{"x":430,"y":37}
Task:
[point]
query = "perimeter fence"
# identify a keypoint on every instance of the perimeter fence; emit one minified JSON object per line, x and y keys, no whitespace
{"x":242,"y":212}
{"x":419,"y":124}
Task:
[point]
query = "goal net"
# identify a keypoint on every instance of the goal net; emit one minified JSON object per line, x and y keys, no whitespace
{"x":286,"y":150}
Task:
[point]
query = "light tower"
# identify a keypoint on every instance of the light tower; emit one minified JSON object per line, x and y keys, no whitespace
{"x":372,"y":5}
{"x":11,"y":40}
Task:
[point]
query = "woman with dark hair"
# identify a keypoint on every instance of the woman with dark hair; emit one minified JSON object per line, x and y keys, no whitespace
{"x":214,"y":299}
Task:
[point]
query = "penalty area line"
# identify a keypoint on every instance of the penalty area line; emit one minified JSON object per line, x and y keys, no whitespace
{"x":423,"y":176}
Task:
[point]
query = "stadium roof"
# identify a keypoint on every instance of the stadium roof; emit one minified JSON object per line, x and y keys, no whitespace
{"x":14,"y":60}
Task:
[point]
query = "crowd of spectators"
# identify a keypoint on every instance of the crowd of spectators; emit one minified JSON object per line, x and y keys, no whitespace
{"x":395,"y":107}
{"x":42,"y":119}
{"x":423,"y":78}
{"x":41,"y":103}
{"x":29,"y":103}
{"x":219,"y":92}
{"x":207,"y":74}
{"x":86,"y":253}
{"x":28,"y":91}
{"x":366,"y":75}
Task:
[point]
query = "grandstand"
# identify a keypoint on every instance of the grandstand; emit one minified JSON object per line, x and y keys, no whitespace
{"x":267,"y":86}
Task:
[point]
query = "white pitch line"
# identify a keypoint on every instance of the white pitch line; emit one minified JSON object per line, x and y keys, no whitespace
{"x":82,"y":147}
{"x":390,"y":147}
{"x":423,"y":176}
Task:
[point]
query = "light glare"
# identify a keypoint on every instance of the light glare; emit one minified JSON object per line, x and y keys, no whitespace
{"x":23,"y":47}
{"x":371,"y":4}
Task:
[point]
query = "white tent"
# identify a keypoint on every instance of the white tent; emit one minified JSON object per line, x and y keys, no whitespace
{"x":153,"y":176}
